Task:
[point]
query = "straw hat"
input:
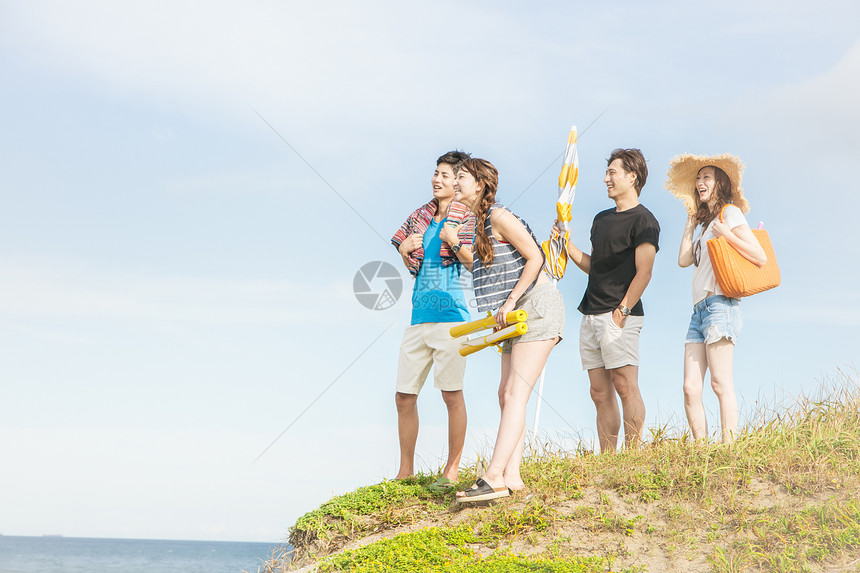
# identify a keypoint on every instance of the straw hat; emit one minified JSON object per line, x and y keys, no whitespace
{"x":681,"y":179}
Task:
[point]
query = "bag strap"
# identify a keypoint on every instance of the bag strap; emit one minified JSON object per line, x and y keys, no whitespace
{"x":722,"y":210}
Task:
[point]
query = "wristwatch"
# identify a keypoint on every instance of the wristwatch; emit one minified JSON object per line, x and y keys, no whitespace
{"x":624,"y":310}
{"x":456,"y":248}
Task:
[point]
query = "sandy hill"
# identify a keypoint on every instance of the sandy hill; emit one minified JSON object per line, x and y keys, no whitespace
{"x":784,"y":497}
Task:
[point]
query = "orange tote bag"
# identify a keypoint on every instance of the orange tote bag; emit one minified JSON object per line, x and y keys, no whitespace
{"x":736,"y":275}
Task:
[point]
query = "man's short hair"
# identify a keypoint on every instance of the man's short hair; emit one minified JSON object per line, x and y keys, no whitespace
{"x":454,"y":158}
{"x":632,"y":160}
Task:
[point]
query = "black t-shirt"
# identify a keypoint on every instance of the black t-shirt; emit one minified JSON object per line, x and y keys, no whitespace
{"x":614,"y":238}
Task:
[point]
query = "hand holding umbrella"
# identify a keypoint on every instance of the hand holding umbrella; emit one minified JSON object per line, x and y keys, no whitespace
{"x":555,"y":248}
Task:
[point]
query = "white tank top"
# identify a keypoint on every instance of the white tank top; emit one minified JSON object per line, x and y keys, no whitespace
{"x":704,"y":280}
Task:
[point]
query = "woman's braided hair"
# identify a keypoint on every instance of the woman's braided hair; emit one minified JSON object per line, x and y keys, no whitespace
{"x":488,"y":178}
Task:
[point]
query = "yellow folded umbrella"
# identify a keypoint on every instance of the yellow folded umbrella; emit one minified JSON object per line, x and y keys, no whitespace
{"x":488,"y":322}
{"x":475,"y":344}
{"x":516,"y":327}
{"x":555,"y":248}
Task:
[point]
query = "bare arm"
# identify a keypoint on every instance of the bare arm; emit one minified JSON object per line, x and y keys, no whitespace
{"x":464,"y":255}
{"x":743,"y":241}
{"x":508,"y":228}
{"x":449,"y":234}
{"x":645,"y":254}
{"x":685,"y":254}
{"x":579,"y":258}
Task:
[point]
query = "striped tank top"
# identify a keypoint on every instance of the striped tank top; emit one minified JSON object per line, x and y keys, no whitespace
{"x":494,"y":282}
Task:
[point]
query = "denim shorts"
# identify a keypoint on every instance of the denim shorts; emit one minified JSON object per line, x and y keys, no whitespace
{"x":715,"y":318}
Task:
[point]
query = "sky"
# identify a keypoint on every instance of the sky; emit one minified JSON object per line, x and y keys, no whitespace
{"x":189,"y":188}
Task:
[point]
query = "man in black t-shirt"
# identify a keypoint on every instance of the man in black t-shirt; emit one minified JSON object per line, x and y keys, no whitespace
{"x":624,"y":241}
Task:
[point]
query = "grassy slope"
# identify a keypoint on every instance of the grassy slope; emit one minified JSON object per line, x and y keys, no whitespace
{"x":784,"y":497}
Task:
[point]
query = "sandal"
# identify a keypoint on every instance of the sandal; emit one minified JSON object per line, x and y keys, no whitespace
{"x":482,"y":491}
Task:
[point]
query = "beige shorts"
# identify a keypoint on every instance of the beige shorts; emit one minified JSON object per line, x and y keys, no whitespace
{"x":430,"y":345}
{"x":603,"y":345}
{"x":545,"y":308}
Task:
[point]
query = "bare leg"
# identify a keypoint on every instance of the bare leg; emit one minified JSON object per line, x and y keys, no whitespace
{"x":695,"y":366}
{"x":608,"y":416}
{"x":720,"y":355}
{"x":506,"y":371}
{"x":407,"y":431}
{"x":456,"y":405}
{"x":526,"y":362}
{"x":512,"y":476}
{"x":626,"y":383}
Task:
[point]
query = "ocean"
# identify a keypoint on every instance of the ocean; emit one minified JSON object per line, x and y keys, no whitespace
{"x":79,"y":555}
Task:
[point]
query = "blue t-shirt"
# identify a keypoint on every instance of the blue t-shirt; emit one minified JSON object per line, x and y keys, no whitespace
{"x":439,"y":292}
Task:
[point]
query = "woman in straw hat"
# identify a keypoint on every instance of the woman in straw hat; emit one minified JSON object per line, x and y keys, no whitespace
{"x":706,"y":185}
{"x":507,"y":276}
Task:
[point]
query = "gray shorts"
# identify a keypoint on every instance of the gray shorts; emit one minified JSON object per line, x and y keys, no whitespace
{"x":545,"y":308}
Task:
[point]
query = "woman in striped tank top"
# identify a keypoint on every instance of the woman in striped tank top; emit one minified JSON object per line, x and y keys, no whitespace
{"x":507,"y":274}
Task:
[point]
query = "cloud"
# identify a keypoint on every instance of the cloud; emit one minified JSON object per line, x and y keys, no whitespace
{"x":826,"y":106}
{"x":72,"y":291}
{"x":843,"y":315}
{"x":305,"y":66}
{"x":267,"y":181}
{"x":178,"y":484}
{"x":815,"y":117}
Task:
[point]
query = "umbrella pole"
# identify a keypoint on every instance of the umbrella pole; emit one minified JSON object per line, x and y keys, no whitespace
{"x":567,"y":181}
{"x":539,"y":400}
{"x":540,"y":390}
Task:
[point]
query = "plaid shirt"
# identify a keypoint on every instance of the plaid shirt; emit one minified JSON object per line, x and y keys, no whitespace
{"x":418,"y":222}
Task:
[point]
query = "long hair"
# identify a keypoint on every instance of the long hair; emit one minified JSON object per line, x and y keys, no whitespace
{"x":723,"y":189}
{"x":487,"y":177}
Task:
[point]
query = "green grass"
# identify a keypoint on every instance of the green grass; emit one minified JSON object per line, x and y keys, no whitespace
{"x":782,"y":498}
{"x":386,"y":504}
{"x":449,"y":550}
{"x":501,"y":523}
{"x":796,"y":542}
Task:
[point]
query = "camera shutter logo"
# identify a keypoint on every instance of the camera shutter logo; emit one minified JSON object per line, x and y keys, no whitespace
{"x":377,"y":285}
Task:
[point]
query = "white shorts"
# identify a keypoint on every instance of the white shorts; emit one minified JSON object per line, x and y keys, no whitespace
{"x":603,"y":345}
{"x":430,"y":345}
